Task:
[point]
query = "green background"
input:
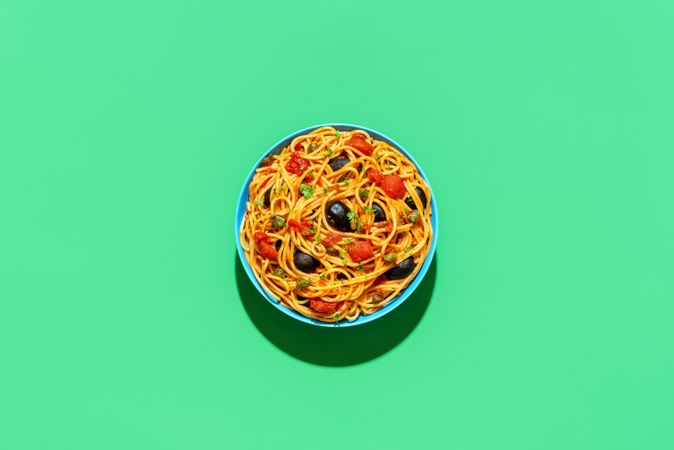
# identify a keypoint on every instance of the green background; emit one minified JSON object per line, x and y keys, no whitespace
{"x":127,"y":129}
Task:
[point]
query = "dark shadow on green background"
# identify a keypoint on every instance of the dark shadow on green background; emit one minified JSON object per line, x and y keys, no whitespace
{"x":335,"y":346}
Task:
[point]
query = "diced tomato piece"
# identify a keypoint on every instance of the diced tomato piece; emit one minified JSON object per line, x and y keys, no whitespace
{"x":393,"y":186}
{"x":267,"y":250}
{"x":389,"y":227}
{"x":260,"y":237}
{"x":298,"y":147}
{"x":304,"y":227}
{"x":295,"y":224}
{"x":331,"y":239}
{"x":361,"y":250}
{"x":324,"y":307}
{"x":296,"y":164}
{"x":359,"y":143}
{"x":376,"y":177}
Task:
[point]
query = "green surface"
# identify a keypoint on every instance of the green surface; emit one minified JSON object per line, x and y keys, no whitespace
{"x":127,"y":128}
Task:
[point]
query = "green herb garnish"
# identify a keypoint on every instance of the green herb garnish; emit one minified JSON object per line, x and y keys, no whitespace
{"x":342,"y":253}
{"x":413,"y":216}
{"x":307,"y":190}
{"x":352,"y":215}
{"x":329,"y":151}
{"x":363,"y":194}
{"x":257,"y":202}
{"x":337,"y":134}
{"x":279,"y":273}
{"x":409,"y":249}
{"x":368,"y":210}
{"x":302,"y":283}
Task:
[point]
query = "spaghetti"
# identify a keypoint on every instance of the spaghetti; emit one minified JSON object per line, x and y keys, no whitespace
{"x":337,"y":224}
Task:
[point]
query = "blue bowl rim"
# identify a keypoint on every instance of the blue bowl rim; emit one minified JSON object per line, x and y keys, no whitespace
{"x":241,"y":208}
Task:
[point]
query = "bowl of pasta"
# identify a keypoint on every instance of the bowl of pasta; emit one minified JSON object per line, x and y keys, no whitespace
{"x":336,"y":225}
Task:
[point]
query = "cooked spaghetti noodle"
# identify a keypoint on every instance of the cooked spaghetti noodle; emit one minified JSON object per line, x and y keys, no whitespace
{"x":337,"y":224}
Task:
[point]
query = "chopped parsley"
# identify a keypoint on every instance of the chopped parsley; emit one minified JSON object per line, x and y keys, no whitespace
{"x":409,"y":249}
{"x":359,"y":225}
{"x":307,"y":190}
{"x":413,"y":216}
{"x":329,"y":151}
{"x":348,"y":241}
{"x":360,"y":269}
{"x":322,"y":276}
{"x":363,"y":194}
{"x":337,"y":134}
{"x":377,"y":156}
{"x":352,"y":215}
{"x":325,"y":189}
{"x":346,"y":181}
{"x":257,"y":202}
{"x":313,"y":146}
{"x":279,"y":273}
{"x":317,"y":239}
{"x":368,"y":210}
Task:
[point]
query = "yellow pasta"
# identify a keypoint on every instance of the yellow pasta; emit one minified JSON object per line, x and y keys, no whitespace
{"x":337,"y":224}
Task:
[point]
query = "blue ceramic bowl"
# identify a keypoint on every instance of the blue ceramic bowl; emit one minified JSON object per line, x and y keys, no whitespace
{"x":241,"y":210}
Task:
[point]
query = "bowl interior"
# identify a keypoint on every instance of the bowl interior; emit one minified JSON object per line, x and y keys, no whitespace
{"x":241,"y":210}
